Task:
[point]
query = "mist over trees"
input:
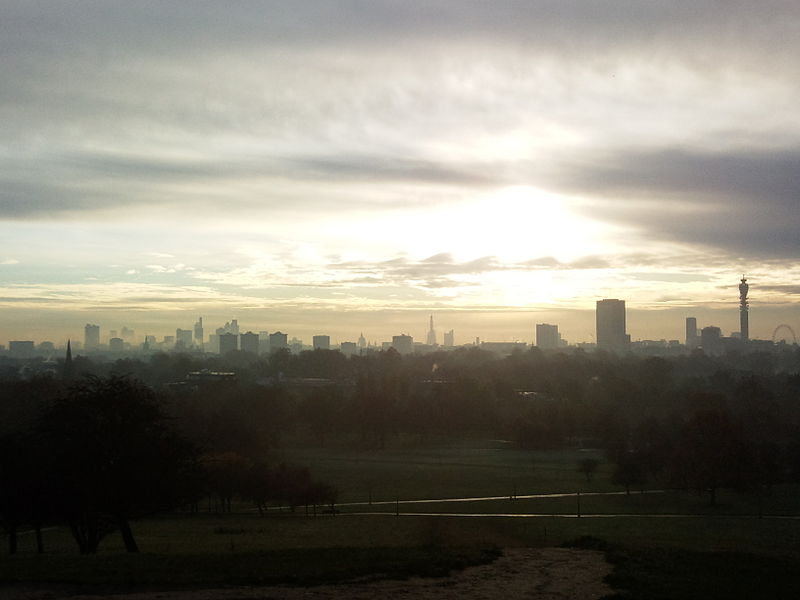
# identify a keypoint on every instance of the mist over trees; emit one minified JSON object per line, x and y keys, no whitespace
{"x":137,"y":437}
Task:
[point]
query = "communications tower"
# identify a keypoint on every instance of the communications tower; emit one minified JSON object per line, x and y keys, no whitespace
{"x":744,"y":324}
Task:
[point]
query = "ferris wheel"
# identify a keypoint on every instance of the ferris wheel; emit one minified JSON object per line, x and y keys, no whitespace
{"x":781,"y":332}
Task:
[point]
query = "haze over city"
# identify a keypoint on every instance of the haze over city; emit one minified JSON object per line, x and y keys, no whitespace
{"x":339,"y":167}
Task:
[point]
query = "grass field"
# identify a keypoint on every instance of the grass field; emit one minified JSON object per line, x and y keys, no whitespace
{"x":485,"y":468}
{"x":203,"y":548}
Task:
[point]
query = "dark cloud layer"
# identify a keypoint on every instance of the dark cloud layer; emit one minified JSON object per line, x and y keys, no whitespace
{"x":740,"y":200}
{"x":155,"y":26}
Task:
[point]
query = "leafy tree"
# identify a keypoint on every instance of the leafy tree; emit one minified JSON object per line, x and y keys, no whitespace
{"x":113,"y":458}
{"x":629,"y":470}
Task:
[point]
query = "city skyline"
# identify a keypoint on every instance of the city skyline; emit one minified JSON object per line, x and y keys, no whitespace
{"x":338,"y":167}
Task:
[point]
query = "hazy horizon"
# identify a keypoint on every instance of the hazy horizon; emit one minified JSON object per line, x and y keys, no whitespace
{"x":345,"y":167}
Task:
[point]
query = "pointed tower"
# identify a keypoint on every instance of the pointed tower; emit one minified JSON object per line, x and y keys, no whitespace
{"x":744,"y":321}
{"x":431,"y":341}
{"x":68,"y":366}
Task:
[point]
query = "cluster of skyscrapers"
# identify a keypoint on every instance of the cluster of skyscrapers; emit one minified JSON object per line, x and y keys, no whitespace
{"x":611,"y":335}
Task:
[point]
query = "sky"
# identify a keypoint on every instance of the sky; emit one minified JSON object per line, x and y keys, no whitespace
{"x":333,"y":167}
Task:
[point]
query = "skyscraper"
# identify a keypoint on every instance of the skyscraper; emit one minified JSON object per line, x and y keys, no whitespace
{"x":198,"y":332}
{"x":249,"y":342}
{"x":183,"y":339}
{"x":610,"y":317}
{"x":691,"y":333}
{"x":91,"y":337}
{"x":228,"y":342}
{"x":744,"y":322}
{"x":431,"y":339}
{"x":278,"y":341}
{"x":547,"y":337}
{"x":449,"y":339}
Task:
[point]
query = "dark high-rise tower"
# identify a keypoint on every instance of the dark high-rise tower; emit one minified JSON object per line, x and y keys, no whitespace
{"x":610,"y":317}
{"x":744,"y":322}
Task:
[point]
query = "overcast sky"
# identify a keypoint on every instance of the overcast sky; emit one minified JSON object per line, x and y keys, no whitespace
{"x":338,"y":167}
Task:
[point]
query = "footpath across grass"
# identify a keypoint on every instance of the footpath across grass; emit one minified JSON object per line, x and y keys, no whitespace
{"x":305,"y":566}
{"x":680,"y":574}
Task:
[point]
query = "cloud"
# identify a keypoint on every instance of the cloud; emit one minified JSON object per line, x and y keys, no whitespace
{"x":9,"y":261}
{"x":743,"y":201}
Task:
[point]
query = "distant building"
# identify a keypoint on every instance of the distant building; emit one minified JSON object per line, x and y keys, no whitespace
{"x":127,"y":334}
{"x":278,"y":341}
{"x":233,"y":327}
{"x":431,"y":339}
{"x":610,"y":320}
{"x":116,"y":344}
{"x":46,"y":347}
{"x":348,"y":348}
{"x":296,"y":345}
{"x":711,"y":341}
{"x":198,"y":332}
{"x":183,"y":339}
{"x":503,"y":348}
{"x":449,"y":339}
{"x":404,"y":344}
{"x":21,"y":348}
{"x":692,"y":341}
{"x":362,"y":341}
{"x":91,"y":337}
{"x":228,"y":342}
{"x":547,"y":336}
{"x":321,"y":342}
{"x":744,"y":321}
{"x":249,"y":342}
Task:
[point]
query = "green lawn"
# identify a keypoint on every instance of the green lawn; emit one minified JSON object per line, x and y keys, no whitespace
{"x":208,"y":549}
{"x":449,"y":471}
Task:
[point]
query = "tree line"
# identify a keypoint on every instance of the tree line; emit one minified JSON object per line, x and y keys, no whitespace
{"x":692,"y":421}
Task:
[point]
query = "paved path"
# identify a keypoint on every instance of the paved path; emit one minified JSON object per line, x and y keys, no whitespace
{"x":521,"y":573}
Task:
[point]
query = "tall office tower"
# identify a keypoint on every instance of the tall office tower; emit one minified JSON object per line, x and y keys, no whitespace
{"x":744,"y":322}
{"x":449,"y":339}
{"x":691,"y":333}
{"x":278,"y":341}
{"x":198,"y":332}
{"x":91,"y":337}
{"x":362,"y":341}
{"x":321,"y":342}
{"x":116,"y":344}
{"x":547,"y":337}
{"x":610,"y":318}
{"x":234,"y":329}
{"x":431,"y":339}
{"x":183,"y":338}
{"x":248,"y":342}
{"x":228,"y":342}
{"x":127,"y":334}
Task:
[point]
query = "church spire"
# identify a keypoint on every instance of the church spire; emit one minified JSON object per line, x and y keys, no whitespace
{"x":68,"y":366}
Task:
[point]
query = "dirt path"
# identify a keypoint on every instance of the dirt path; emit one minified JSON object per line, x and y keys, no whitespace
{"x":529,"y":573}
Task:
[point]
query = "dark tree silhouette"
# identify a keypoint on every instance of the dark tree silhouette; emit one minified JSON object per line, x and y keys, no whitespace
{"x":113,"y":458}
{"x":588,"y":466}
